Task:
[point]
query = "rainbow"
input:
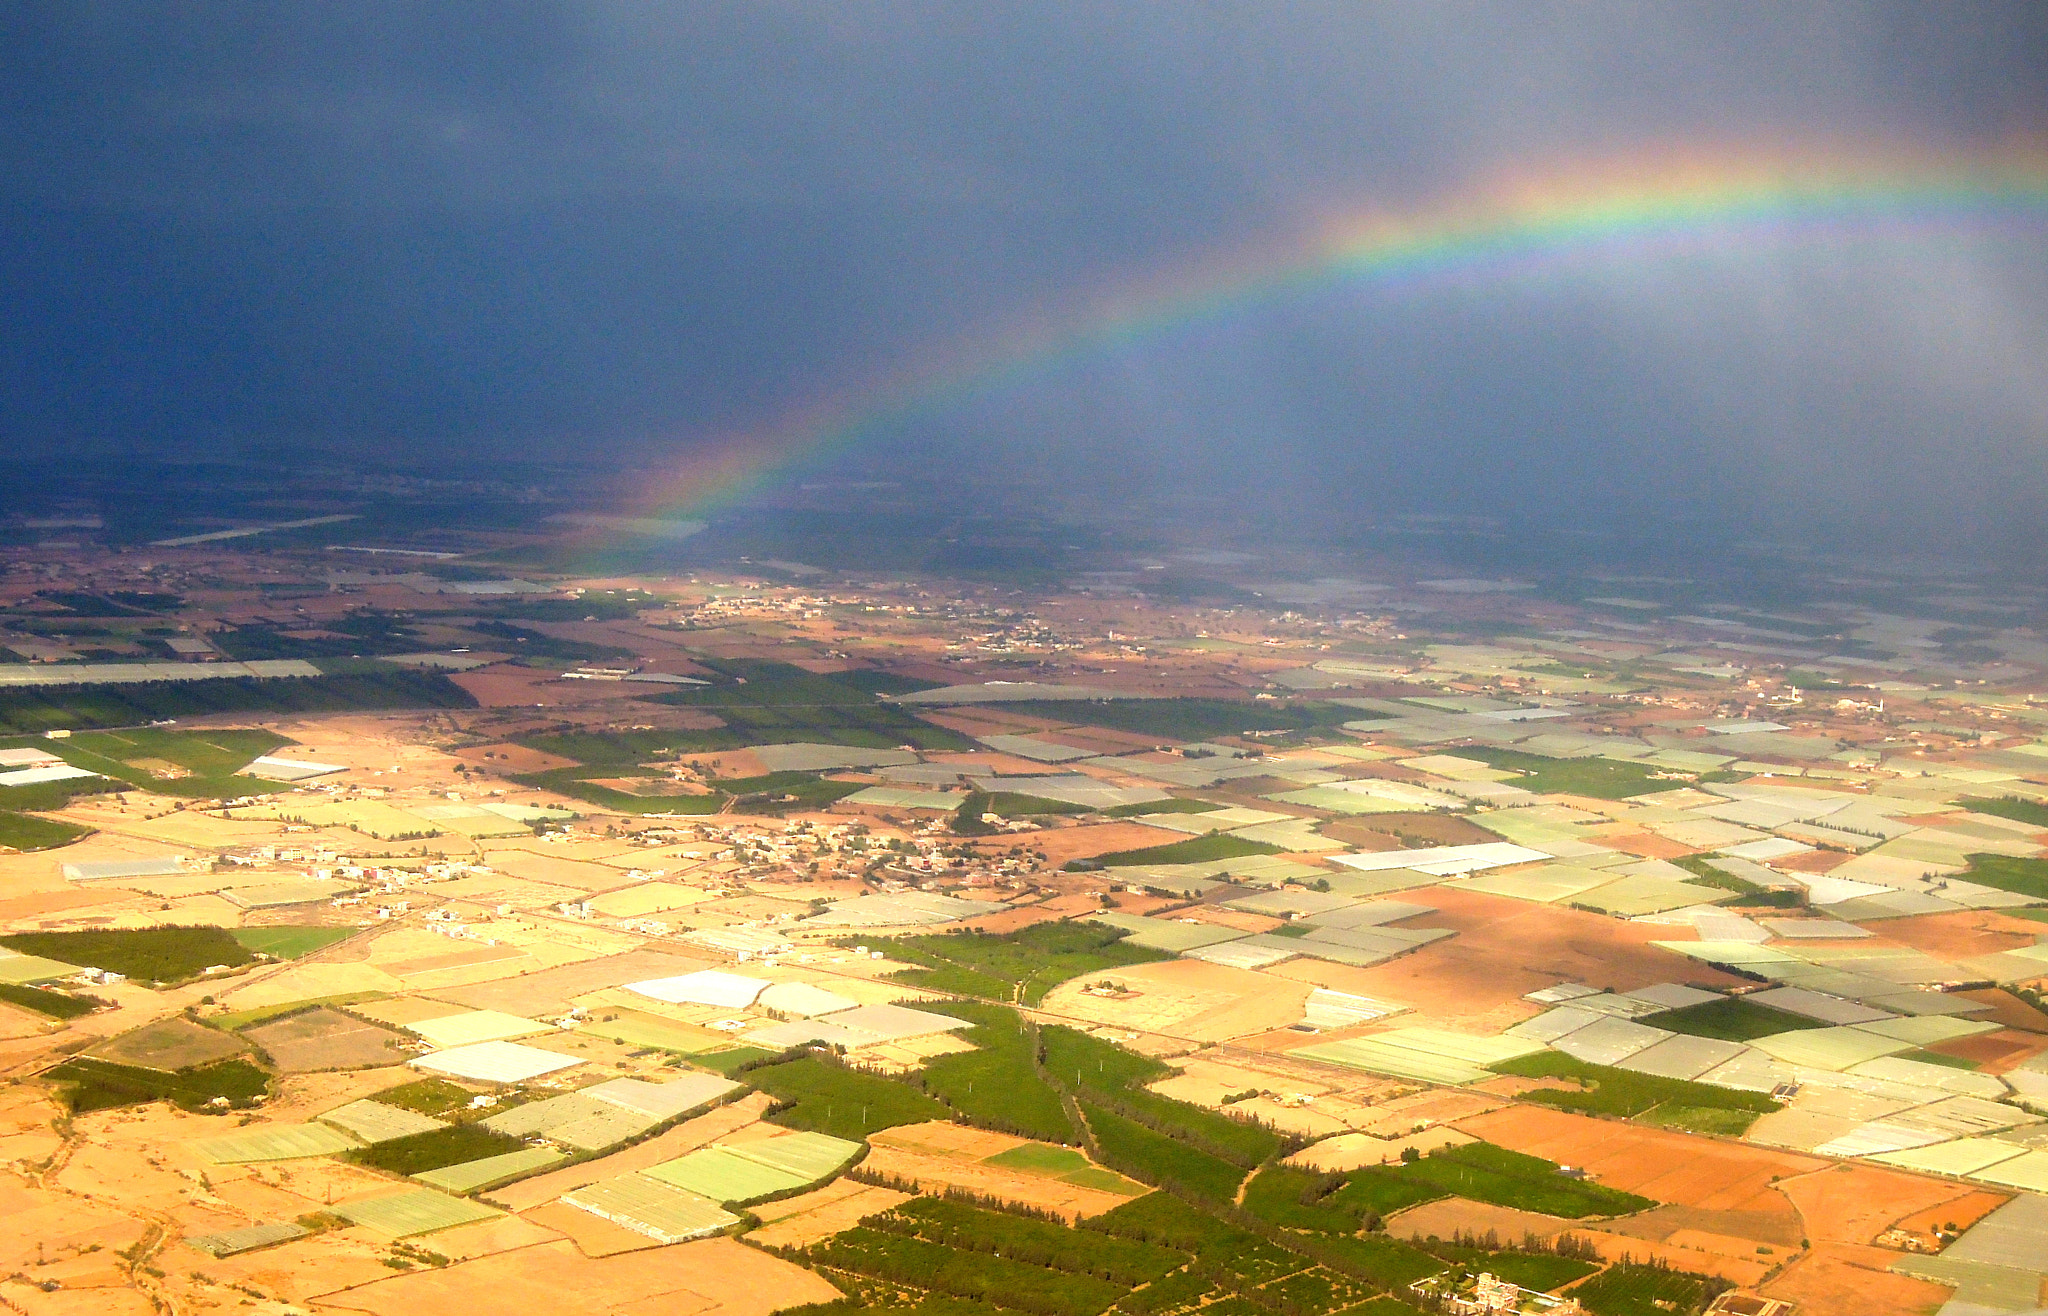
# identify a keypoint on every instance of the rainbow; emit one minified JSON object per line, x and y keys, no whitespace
{"x":1516,"y":228}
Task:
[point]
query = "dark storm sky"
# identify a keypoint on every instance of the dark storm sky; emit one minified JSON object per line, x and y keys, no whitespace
{"x":589,"y":228}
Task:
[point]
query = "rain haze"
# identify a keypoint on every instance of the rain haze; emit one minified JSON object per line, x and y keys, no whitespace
{"x":632,"y":234}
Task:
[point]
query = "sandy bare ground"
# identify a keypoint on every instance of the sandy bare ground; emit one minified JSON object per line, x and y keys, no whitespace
{"x":1705,"y":1173}
{"x":1186,"y":999}
{"x":1843,"y":1277}
{"x":941,"y":1155}
{"x":1736,"y":1260}
{"x":713,"y":1275}
{"x":821,"y":1213}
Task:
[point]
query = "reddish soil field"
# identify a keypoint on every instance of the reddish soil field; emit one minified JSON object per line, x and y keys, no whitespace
{"x":1959,"y":935}
{"x":1505,"y":948}
{"x":2009,"y":1011}
{"x":718,"y":1275}
{"x":1727,"y":1179}
{"x":1994,"y":1053}
{"x":507,"y":757}
{"x":1855,"y":1202}
{"x":1841,"y":1277}
{"x":1814,"y":861}
{"x":1963,"y":1212}
{"x":1647,"y":844}
{"x":1065,"y":843}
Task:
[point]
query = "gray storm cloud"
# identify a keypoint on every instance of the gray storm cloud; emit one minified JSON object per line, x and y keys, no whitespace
{"x":409,"y":228}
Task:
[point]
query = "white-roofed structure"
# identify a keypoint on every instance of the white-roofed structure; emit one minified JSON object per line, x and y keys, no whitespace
{"x":494,"y":1062}
{"x":1444,"y":860}
{"x":801,"y":1000}
{"x":728,"y":991}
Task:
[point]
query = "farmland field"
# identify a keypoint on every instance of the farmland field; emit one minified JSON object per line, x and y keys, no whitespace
{"x":96,"y":1085}
{"x":57,"y":1005}
{"x":1194,"y":850}
{"x":1016,"y":966}
{"x":1631,"y":1289}
{"x":22,"y":831}
{"x":828,"y":1098}
{"x":1670,"y":1102}
{"x":1483,"y":1172}
{"x":42,"y":708}
{"x":166,"y":954}
{"x":320,"y":1038}
{"x":170,"y":1044}
{"x":289,"y":943}
{"x":436,"y":1148}
{"x":1730,"y":1019}
{"x":997,"y":1085}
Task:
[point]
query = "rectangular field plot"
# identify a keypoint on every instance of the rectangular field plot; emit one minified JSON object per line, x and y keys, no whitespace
{"x":232,"y":1241}
{"x":1829,"y":1048}
{"x":373,"y":1122}
{"x":1427,"y":1055}
{"x":652,"y":1208}
{"x":495,"y":1062}
{"x":1964,"y":1156}
{"x":716,"y":1173}
{"x":321,"y":1038}
{"x":2028,"y":1172}
{"x":472,"y":1175}
{"x":169,"y":1044}
{"x":473,"y":1027}
{"x":414,"y":1211}
{"x":278,"y":1142}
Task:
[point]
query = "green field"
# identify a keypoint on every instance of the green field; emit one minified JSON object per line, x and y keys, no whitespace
{"x":22,"y":831}
{"x":784,"y":790}
{"x":436,"y":1097}
{"x":1483,"y":1172}
{"x":1730,"y":1019}
{"x":997,"y":1086}
{"x":1191,"y":719}
{"x":1015,"y":966}
{"x":168,"y":954}
{"x":827,"y":1098}
{"x":2032,"y":812}
{"x":289,"y":943}
{"x":1667,"y":1102}
{"x":97,"y":1085}
{"x":43,"y":708}
{"x":1130,"y":1148}
{"x":1194,"y":850}
{"x":983,"y":1277}
{"x":1038,"y":1242}
{"x":763,"y":703}
{"x":436,"y":1148}
{"x":1601,"y":779}
{"x":1633,"y":1289}
{"x":54,"y":1004}
{"x":2026,"y":877}
{"x":1175,"y":805}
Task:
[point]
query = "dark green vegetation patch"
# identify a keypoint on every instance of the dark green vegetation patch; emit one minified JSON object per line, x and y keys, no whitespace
{"x":436,"y":1097}
{"x":1634,"y":1289}
{"x":101,"y":1085}
{"x":2032,"y":812}
{"x":1194,"y":850}
{"x":1600,"y":779}
{"x":43,"y":708}
{"x":1184,"y":720}
{"x":826,"y":1097}
{"x":764,"y":703}
{"x":1730,"y":1019}
{"x":22,"y":831}
{"x":54,"y":1004}
{"x":997,"y":1085}
{"x":1666,"y":1102}
{"x":420,"y":1152}
{"x":168,"y":954}
{"x":1015,"y":966}
{"x":287,"y":942}
{"x":2026,"y":877}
